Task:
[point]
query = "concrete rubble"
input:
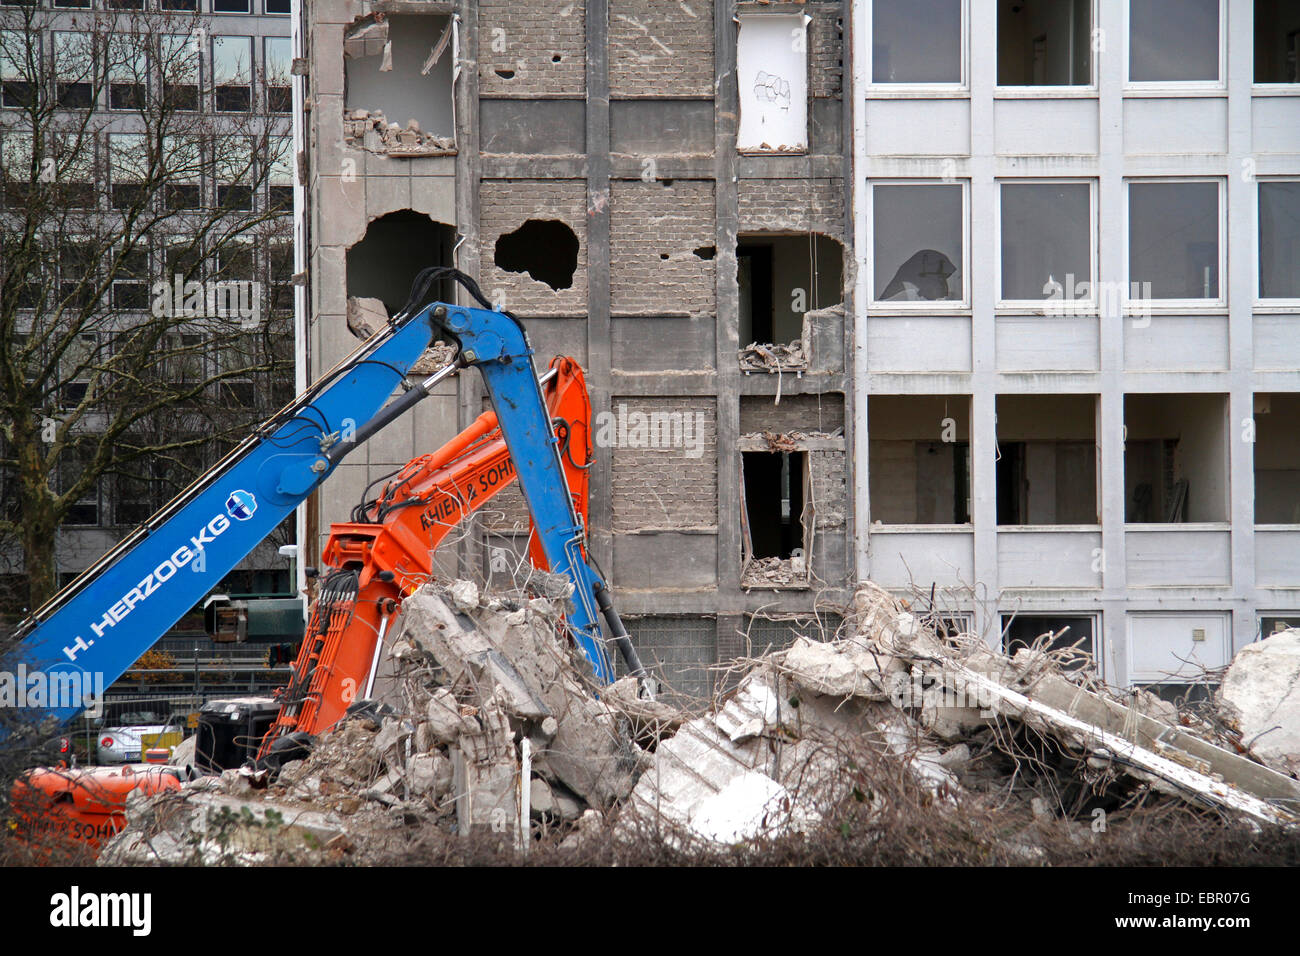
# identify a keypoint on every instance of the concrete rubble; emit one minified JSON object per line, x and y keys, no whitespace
{"x":759,"y":357}
{"x":491,"y":727}
{"x":372,"y":131}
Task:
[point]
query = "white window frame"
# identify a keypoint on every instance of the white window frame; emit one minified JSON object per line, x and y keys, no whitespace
{"x":1261,"y":304}
{"x":1166,"y":306}
{"x":1178,"y":87}
{"x":876,"y":90}
{"x":945,"y":306}
{"x":1080,"y":90}
{"x":1083,"y":306}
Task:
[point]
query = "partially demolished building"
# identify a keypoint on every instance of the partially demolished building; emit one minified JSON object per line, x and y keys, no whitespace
{"x":859,"y":290}
{"x":587,"y":162}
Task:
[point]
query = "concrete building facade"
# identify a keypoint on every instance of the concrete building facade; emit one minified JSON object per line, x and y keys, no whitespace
{"x":1076,"y":235}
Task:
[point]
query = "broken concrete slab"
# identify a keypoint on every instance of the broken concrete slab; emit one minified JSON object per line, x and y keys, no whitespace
{"x":1260,"y":698}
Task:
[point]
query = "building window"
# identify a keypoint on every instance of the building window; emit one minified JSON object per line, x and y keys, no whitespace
{"x":128,"y":166}
{"x":128,"y":72}
{"x":919,"y":459}
{"x":191,"y":5}
{"x":1053,"y":632}
{"x":1046,"y":241}
{"x":279,"y":176}
{"x":179,"y":63}
{"x":1270,"y":624}
{"x":772,"y":72}
{"x":1173,"y":41}
{"x":71,"y":3}
{"x":279,"y":62}
{"x":71,"y":467}
{"x":918,"y":242}
{"x":917,"y":42}
{"x":131,"y":281}
{"x":1174,"y":247}
{"x":781,"y":279}
{"x":76,"y":367}
{"x":1277,"y":458}
{"x":183,"y":162}
{"x":1175,"y":458}
{"x":1044,"y":42}
{"x":774,"y":529}
{"x":231,"y":6}
{"x":74,"y":70}
{"x":74,"y":169}
{"x":1047,"y":459}
{"x":16,"y":86}
{"x":1279,"y":239}
{"x":1277,"y":41}
{"x":234,"y":172}
{"x":277,"y":6}
{"x":232,"y":73}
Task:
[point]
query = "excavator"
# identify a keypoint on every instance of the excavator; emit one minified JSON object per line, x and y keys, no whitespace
{"x":120,"y":606}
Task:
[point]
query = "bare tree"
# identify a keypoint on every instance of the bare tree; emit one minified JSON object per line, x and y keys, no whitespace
{"x":144,"y":265}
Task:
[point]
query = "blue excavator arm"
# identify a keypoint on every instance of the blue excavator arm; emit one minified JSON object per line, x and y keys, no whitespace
{"x":99,"y":625}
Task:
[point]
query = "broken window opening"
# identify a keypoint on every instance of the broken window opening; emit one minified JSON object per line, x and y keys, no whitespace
{"x":545,"y":249}
{"x":1044,"y":42}
{"x":1057,"y":632}
{"x":1270,"y":624}
{"x":398,"y":85}
{"x":781,"y":278}
{"x":1277,"y":41}
{"x":919,"y":459}
{"x":1277,"y":459}
{"x":393,"y":251}
{"x":1047,"y":460}
{"x":774,"y":525}
{"x":918,"y":242}
{"x":1175,"y":458}
{"x":772,"y":74}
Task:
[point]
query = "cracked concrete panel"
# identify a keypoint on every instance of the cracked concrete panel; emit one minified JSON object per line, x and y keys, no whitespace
{"x":772,"y":73}
{"x":661,"y":48}
{"x":399,"y":83}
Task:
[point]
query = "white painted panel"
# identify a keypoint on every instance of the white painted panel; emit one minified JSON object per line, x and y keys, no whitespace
{"x":1277,"y":559}
{"x":1039,"y":343}
{"x":1166,"y":343}
{"x":772,"y":70}
{"x":899,"y":558}
{"x":1276,"y":124}
{"x":921,"y":344}
{"x":1164,"y":647}
{"x":1171,"y":125}
{"x":1176,"y":558}
{"x":1029,"y":558}
{"x":913,"y":127}
{"x":1277,"y":342}
{"x":1046,"y":127}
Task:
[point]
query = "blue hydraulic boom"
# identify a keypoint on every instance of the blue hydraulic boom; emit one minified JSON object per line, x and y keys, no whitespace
{"x":118,"y":608}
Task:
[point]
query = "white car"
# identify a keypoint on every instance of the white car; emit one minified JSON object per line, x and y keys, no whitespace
{"x":123,"y":743}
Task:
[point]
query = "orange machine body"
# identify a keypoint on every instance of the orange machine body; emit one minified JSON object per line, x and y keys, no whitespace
{"x":391,"y":551}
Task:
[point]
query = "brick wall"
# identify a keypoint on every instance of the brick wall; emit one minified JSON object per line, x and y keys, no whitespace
{"x":792,"y":204}
{"x":525,"y":38}
{"x":506,"y":205}
{"x":661,"y":47}
{"x":829,"y":494}
{"x":664,"y":488}
{"x":825,"y":51}
{"x":656,"y":229}
{"x":803,"y":413}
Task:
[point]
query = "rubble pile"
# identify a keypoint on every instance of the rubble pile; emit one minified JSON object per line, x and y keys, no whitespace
{"x":758,"y":357}
{"x":370,"y":130}
{"x":492,"y":727}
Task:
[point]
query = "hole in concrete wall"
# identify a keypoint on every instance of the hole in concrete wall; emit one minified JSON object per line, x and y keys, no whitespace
{"x":1277,"y":458}
{"x":1068,"y":630}
{"x":505,"y":74}
{"x":546,"y":249}
{"x":707,"y":253}
{"x":664,"y":256}
{"x":400,"y":67}
{"x":1175,"y":458}
{"x":919,"y":459}
{"x":393,"y":251}
{"x":774,"y":496}
{"x":781,"y":279}
{"x":555,"y":58}
{"x":1047,"y":464}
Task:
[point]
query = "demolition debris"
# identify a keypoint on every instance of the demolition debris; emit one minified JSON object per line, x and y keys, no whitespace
{"x":488,"y":725}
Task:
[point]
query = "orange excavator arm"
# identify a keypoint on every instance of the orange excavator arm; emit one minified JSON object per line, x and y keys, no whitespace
{"x":386,"y":552}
